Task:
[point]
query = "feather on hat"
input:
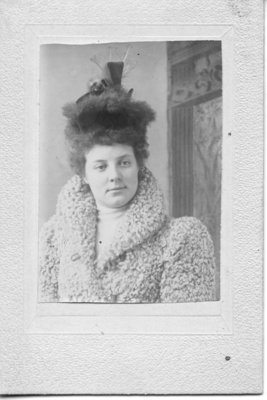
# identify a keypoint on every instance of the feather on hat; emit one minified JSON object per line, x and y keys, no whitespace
{"x":108,"y":106}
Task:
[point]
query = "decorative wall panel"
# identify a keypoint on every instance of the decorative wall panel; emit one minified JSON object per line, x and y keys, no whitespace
{"x":207,"y":145}
{"x":199,"y":77}
{"x":195,"y":107}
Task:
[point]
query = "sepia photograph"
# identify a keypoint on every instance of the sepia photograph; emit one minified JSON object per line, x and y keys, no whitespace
{"x":130,"y":172}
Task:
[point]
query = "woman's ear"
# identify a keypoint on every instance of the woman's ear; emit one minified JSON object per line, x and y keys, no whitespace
{"x":84,"y":179}
{"x":85,"y":185}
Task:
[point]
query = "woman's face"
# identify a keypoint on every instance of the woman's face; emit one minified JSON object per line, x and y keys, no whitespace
{"x":112,"y":174}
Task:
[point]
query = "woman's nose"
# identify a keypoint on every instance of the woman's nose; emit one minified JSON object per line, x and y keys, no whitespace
{"x":114,"y":174}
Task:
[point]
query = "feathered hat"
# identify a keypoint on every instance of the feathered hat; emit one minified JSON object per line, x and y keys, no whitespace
{"x":108,"y":107}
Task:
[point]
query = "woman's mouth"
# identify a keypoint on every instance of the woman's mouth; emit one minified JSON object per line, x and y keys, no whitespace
{"x":116,"y":189}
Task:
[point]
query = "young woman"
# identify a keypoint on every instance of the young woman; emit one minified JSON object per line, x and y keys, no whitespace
{"x":110,"y":240}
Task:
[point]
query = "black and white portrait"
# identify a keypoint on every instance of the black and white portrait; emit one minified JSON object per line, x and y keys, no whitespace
{"x":132,"y":175}
{"x":130,"y":172}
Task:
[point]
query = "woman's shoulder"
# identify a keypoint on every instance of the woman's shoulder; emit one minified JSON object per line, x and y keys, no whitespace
{"x":185,"y":226}
{"x":185,"y":232}
{"x":68,"y":190}
{"x":189,"y":272}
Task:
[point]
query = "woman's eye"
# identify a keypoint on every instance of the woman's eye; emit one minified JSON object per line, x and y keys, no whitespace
{"x":100,"y":167}
{"x":125,"y":163}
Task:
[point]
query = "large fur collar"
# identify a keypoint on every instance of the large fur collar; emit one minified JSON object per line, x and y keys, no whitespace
{"x":77,"y":216}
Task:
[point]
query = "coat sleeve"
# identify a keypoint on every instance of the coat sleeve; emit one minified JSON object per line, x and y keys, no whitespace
{"x":48,"y":263}
{"x":189,"y":269}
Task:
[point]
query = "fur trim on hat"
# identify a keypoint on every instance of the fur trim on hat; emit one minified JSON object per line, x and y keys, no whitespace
{"x":112,"y":109}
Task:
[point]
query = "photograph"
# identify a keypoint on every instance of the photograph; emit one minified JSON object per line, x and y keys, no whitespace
{"x":130,"y":168}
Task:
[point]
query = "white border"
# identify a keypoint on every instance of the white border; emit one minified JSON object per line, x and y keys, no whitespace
{"x":186,"y":318}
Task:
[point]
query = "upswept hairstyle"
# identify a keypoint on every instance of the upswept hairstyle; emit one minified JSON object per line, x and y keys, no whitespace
{"x":106,"y":115}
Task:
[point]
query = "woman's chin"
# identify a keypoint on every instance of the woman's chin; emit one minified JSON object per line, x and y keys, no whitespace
{"x":116,"y":202}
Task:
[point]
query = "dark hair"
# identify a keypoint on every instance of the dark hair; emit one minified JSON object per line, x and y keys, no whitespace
{"x":79,"y":145}
{"x":107,"y":115}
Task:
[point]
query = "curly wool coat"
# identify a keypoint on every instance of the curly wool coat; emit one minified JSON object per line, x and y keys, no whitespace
{"x":152,"y":258}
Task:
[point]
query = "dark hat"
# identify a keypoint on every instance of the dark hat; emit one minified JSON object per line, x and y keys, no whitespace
{"x":108,"y":106}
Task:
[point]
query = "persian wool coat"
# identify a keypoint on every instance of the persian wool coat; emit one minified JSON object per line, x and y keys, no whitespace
{"x":152,"y":258}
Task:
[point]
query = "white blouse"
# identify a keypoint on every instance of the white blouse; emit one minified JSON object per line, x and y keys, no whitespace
{"x":108,"y":220}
